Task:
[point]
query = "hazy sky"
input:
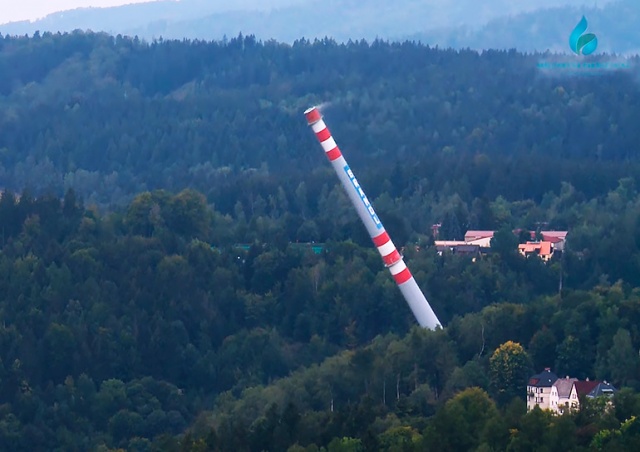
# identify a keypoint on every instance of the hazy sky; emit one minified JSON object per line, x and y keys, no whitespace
{"x":12,"y":10}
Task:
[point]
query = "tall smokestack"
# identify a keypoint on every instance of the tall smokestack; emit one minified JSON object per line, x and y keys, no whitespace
{"x":390,"y":256}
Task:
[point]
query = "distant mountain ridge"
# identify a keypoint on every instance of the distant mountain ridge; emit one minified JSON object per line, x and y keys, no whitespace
{"x":288,"y":20}
{"x":615,"y":25}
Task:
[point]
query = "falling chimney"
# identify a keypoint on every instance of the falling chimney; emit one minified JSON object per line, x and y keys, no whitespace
{"x":390,"y":256}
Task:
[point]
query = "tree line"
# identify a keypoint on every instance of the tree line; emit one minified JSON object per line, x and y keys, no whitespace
{"x":124,"y":329}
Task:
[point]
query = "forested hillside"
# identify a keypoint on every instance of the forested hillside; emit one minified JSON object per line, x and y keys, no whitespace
{"x":159,"y":291}
{"x":111,"y":117}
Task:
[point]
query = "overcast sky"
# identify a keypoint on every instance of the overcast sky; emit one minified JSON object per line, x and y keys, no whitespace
{"x":12,"y":10}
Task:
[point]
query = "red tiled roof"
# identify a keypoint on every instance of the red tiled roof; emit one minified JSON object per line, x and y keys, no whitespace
{"x":557,"y":234}
{"x":550,"y":236}
{"x":585,"y":387}
{"x":543,"y":248}
{"x":528,"y":247}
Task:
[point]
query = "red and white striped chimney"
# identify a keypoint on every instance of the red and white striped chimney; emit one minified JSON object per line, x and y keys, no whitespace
{"x":390,"y":255}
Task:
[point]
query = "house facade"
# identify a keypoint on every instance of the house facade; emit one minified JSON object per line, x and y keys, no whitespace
{"x":560,"y":399}
{"x":579,"y":390}
{"x":557,"y":238}
{"x":544,"y":250}
{"x":539,"y":389}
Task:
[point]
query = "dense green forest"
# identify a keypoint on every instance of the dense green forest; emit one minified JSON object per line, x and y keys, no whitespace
{"x":158,"y":290}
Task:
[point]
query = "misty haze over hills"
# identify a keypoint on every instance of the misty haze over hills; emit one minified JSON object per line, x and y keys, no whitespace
{"x":616,"y":26}
{"x":536,"y":25}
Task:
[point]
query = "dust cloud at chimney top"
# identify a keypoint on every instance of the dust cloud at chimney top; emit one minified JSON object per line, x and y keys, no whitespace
{"x":390,"y":255}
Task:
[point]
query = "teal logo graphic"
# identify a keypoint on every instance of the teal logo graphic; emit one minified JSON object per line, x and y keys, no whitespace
{"x":580,"y":42}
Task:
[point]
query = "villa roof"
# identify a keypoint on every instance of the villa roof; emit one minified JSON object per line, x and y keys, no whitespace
{"x":564,"y":385}
{"x":602,"y":389}
{"x":544,"y":379}
{"x":585,"y":387}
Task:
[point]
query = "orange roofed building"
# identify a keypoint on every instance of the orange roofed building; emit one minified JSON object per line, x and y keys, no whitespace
{"x":542,"y":249}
